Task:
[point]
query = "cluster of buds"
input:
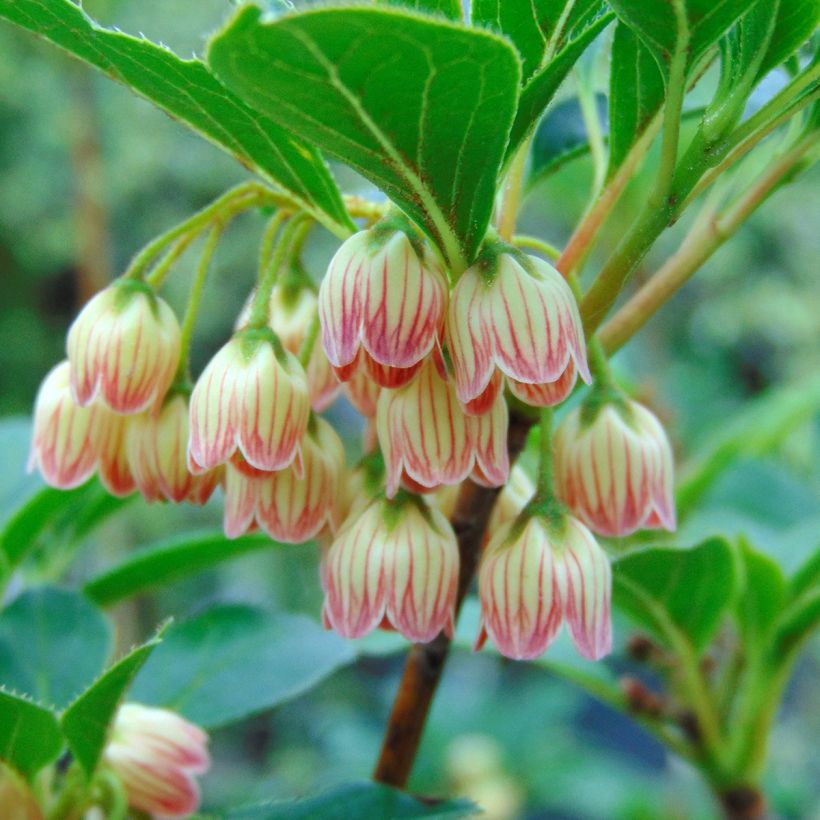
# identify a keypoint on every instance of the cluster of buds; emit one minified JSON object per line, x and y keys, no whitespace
{"x":428,"y":362}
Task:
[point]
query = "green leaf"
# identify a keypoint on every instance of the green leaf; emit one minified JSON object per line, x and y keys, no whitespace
{"x":447,"y":8}
{"x":761,"y":592}
{"x":169,"y":561}
{"x":801,"y":614}
{"x":186,"y":90}
{"x":705,"y":22}
{"x":806,"y":577}
{"x":677,"y":591}
{"x":636,"y":94}
{"x":420,"y":107}
{"x":539,"y":91}
{"x":53,"y":644}
{"x":233,"y":661}
{"x":537,"y":28}
{"x":87,"y":720}
{"x":364,"y":801}
{"x":795,"y":22}
{"x":29,"y":734}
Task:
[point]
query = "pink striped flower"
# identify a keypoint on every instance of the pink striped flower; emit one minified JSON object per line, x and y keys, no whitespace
{"x":426,"y":435}
{"x":363,"y":392}
{"x":157,"y":754}
{"x":535,"y":574}
{"x":156,"y":445}
{"x":116,"y":473}
{"x":124,"y":348}
{"x":396,"y":563}
{"x":615,"y":471}
{"x":516,"y":314}
{"x":67,"y":437}
{"x":289,"y":506}
{"x":252,"y":398}
{"x":382,"y":305}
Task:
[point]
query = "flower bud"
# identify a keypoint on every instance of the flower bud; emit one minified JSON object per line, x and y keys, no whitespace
{"x":156,"y":754}
{"x":363,"y":392}
{"x":124,"y":347}
{"x":615,"y":472}
{"x":156,"y":446}
{"x":115,"y":469}
{"x":396,"y":561}
{"x":384,"y":293}
{"x":290,"y":507}
{"x":517,"y":314}
{"x":67,"y":437}
{"x":534,"y":574}
{"x":425,"y":433}
{"x":251,"y":397}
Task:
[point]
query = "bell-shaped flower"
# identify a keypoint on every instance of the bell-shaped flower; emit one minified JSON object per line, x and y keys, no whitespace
{"x":115,"y":470}
{"x":395,"y":562}
{"x":252,"y":398}
{"x":382,"y":305}
{"x":614,"y":468}
{"x":157,"y":754}
{"x":536,"y":573}
{"x":425,"y":433}
{"x":289,"y":506}
{"x":363,"y":392}
{"x":156,"y":445}
{"x":67,"y":437}
{"x":516,"y":314}
{"x":124,"y":348}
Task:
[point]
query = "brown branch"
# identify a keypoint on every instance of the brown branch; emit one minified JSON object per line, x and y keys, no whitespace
{"x":425,"y":662}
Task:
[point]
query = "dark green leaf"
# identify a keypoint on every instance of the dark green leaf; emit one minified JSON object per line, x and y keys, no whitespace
{"x":539,"y":91}
{"x":636,"y":94}
{"x":801,"y":613}
{"x":232,"y":661}
{"x":87,"y":720}
{"x":677,"y":590}
{"x":169,"y":561}
{"x":761,"y":592}
{"x":364,"y":801}
{"x":794,"y":24}
{"x":53,"y":644}
{"x":186,"y":90}
{"x":420,"y":107}
{"x":657,"y":24}
{"x":29,"y":734}
{"x":448,"y":8}
{"x":561,"y":136}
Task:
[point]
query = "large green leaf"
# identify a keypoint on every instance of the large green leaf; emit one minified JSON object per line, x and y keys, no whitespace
{"x":636,"y":93}
{"x":677,"y":591}
{"x":86,"y":722}
{"x":169,"y":561}
{"x":420,"y":107}
{"x":53,"y":644}
{"x":449,"y":8}
{"x":794,"y":24}
{"x":697,"y":25}
{"x":232,"y":661}
{"x":801,"y":613}
{"x":186,"y":90}
{"x":29,"y":734}
{"x":364,"y":801}
{"x":539,"y":91}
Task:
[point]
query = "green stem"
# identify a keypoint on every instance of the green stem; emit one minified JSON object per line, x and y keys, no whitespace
{"x":309,"y":342}
{"x":269,"y":239}
{"x":592,"y":123}
{"x":599,"y":365}
{"x":194,"y":301}
{"x":544,"y":484}
{"x":158,"y":273}
{"x":535,"y":244}
{"x":511,"y":200}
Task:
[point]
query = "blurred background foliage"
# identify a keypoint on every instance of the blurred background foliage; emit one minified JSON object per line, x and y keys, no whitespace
{"x":89,"y":173}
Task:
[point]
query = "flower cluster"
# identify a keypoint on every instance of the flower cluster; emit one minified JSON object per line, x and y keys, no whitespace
{"x":430,"y":359}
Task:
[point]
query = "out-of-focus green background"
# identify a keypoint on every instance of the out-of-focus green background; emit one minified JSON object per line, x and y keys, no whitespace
{"x":88,"y":173}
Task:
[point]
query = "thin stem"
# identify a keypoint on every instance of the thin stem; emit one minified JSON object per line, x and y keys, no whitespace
{"x":599,"y":365}
{"x":158,"y":273}
{"x":269,"y":239}
{"x":705,"y":237}
{"x":544,"y":486}
{"x":309,"y":342}
{"x":535,"y":244}
{"x":425,"y":662}
{"x":511,"y":201}
{"x":557,"y":33}
{"x":592,"y":123}
{"x":195,"y":299}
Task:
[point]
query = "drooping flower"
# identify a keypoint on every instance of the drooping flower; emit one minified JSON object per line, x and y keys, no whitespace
{"x":67,"y":437}
{"x":515,"y":314}
{"x":395,"y":561}
{"x":156,"y":445}
{"x":115,"y":470}
{"x":536,"y":573}
{"x":252,"y":398}
{"x":363,"y":392}
{"x":614,"y":468}
{"x":157,"y":754}
{"x":289,"y":506}
{"x":425,"y":434}
{"x":382,"y":305}
{"x":123,"y":348}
